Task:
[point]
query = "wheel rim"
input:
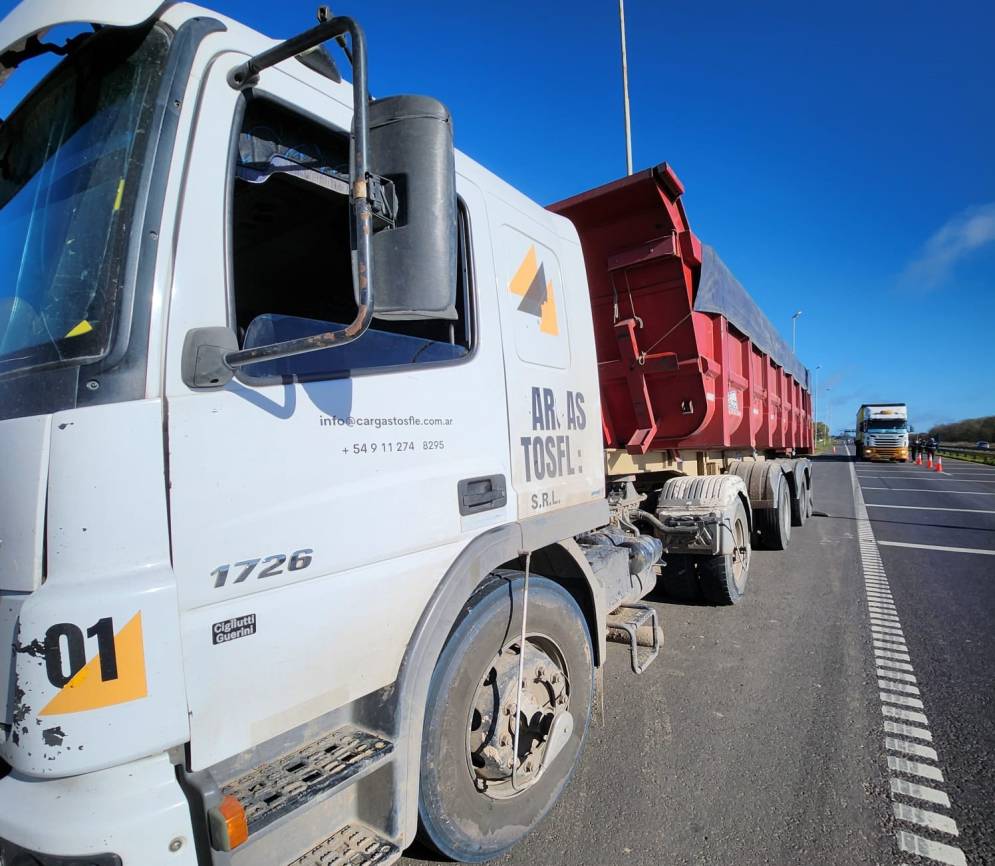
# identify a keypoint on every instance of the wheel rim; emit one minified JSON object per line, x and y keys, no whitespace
{"x":740,"y":553}
{"x":490,"y":741}
{"x":785,"y":512}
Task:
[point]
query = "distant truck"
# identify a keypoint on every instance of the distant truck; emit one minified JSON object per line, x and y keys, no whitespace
{"x":883,"y":432}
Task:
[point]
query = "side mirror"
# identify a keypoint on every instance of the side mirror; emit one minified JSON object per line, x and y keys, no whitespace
{"x":411,"y":145}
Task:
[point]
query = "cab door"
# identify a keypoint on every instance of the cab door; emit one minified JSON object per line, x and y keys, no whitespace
{"x":311,"y":518}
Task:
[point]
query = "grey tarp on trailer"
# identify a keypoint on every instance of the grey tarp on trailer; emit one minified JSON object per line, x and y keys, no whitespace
{"x":720,"y":292}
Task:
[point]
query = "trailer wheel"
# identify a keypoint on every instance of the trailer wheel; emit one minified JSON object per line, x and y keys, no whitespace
{"x":774,"y":524}
{"x":723,"y":578}
{"x":477,"y":797}
{"x":810,"y":505}
{"x":800,"y":504}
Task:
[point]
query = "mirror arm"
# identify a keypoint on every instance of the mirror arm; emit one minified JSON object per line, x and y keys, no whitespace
{"x":246,"y":75}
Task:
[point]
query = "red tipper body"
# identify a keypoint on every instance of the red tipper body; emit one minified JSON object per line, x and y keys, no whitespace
{"x":686,"y":359}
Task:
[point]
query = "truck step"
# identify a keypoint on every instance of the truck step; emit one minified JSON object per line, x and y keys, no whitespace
{"x":353,"y":845}
{"x":272,"y":790}
{"x":636,"y":625}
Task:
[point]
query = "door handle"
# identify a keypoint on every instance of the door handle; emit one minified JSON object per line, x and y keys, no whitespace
{"x":481,"y":494}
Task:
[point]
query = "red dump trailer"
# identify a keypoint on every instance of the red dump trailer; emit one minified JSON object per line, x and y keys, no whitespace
{"x":702,"y":400}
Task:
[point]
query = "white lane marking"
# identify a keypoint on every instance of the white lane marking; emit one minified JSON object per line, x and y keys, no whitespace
{"x":888,"y":654}
{"x":880,"y":617}
{"x":933,"y":820}
{"x":915,"y":768}
{"x":927,"y":490}
{"x":898,"y":687}
{"x":910,"y":748}
{"x":905,"y":715}
{"x":932,"y":508}
{"x":913,"y":844}
{"x":908,"y":730}
{"x":936,"y":476}
{"x":895,"y":675}
{"x":888,"y":663}
{"x":901,"y":700}
{"x":920,"y":792}
{"x":938,"y":547}
{"x":895,"y":697}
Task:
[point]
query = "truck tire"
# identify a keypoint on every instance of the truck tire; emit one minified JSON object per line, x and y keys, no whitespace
{"x":723,"y":578}
{"x":773,"y":525}
{"x":469,"y":807}
{"x":800,"y":504}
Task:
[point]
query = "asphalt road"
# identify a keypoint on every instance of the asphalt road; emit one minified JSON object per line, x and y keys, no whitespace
{"x":759,"y":735}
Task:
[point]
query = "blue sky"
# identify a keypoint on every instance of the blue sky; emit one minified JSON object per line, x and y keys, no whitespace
{"x":840,"y":157}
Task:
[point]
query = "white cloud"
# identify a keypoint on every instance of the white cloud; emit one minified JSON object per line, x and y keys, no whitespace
{"x":963,"y":233}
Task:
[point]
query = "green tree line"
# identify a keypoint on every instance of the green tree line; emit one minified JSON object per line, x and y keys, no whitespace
{"x":970,"y":430}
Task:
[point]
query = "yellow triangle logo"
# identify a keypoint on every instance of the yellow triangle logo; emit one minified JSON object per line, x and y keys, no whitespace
{"x":88,"y":691}
{"x":529,"y":283}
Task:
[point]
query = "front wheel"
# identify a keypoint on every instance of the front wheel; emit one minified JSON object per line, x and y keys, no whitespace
{"x":477,"y":795}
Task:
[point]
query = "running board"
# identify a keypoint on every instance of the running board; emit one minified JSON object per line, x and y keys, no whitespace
{"x":296,"y":779}
{"x":353,"y":845}
{"x":636,"y":625}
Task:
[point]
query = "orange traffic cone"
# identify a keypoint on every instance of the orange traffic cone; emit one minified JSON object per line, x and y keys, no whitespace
{"x":918,"y":458}
{"x":939,"y":463}
{"x":929,"y":461}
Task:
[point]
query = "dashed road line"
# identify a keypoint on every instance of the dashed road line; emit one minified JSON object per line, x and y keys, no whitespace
{"x":933,"y":820}
{"x":920,"y":792}
{"x":914,"y":844}
{"x":927,"y":490}
{"x":939,"y":547}
{"x":910,"y":748}
{"x":933,"y":508}
{"x":895,"y":675}
{"x":928,"y":475}
{"x":898,"y":687}
{"x":905,"y":724}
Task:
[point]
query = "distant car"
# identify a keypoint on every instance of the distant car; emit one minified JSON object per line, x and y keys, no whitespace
{"x":982,"y":445}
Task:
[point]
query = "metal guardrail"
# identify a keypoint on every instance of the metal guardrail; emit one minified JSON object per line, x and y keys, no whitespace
{"x":974,"y":455}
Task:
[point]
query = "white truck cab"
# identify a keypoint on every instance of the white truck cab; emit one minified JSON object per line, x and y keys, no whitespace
{"x":296,"y":401}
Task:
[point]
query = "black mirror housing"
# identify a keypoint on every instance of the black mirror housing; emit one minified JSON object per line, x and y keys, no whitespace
{"x":202,"y":363}
{"x":411,"y":145}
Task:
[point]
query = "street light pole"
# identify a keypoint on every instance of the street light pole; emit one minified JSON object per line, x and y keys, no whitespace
{"x":830,"y":429}
{"x":625,"y":89}
{"x":815,"y":408}
{"x":794,"y":319}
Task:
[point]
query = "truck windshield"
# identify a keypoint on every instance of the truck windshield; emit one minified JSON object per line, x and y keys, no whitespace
{"x":886,"y":424}
{"x":71,"y":156}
